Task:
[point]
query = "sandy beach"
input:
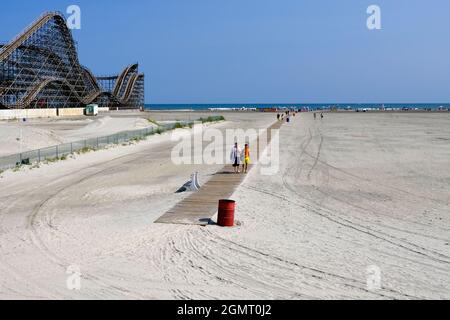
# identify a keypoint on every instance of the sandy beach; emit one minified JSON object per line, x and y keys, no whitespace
{"x":353,"y":191}
{"x":19,"y":136}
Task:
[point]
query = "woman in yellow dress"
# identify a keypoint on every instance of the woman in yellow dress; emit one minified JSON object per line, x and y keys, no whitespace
{"x":246,"y":161}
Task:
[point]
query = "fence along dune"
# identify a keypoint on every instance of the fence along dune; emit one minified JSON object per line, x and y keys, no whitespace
{"x":58,"y":151}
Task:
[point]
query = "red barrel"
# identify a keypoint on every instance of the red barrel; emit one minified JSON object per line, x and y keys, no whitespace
{"x":226,"y":213}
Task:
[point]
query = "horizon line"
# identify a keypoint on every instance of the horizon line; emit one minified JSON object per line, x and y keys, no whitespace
{"x":285,"y":103}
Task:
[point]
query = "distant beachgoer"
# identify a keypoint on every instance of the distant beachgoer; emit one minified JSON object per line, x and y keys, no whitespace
{"x":321,"y":116}
{"x":278,"y":117}
{"x":246,"y":158}
{"x":235,"y":157}
{"x":315,"y":116}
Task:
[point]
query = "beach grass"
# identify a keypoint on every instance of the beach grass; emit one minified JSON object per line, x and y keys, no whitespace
{"x":179,"y":125}
{"x":158,"y":130}
{"x":85,"y":150}
{"x":211,"y":119}
{"x":153,"y":121}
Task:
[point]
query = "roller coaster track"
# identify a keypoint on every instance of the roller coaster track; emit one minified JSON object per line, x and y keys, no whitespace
{"x":56,"y":59}
{"x":91,"y":78}
{"x":34,"y":91}
{"x":17,"y":42}
{"x":94,"y":95}
{"x":122,"y":78}
{"x":37,"y":88}
{"x":128,"y":90}
{"x":130,"y":86}
{"x":31,"y":93}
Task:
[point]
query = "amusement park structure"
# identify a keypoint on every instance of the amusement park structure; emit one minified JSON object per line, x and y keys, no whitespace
{"x":40,"y":69}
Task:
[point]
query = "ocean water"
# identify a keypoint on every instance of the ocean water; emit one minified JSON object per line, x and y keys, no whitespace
{"x":304,"y":106}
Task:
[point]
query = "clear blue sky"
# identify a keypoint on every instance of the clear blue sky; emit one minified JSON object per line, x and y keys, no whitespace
{"x":254,"y":51}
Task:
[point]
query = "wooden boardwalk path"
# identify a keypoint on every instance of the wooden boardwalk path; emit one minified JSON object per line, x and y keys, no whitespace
{"x":199,"y":207}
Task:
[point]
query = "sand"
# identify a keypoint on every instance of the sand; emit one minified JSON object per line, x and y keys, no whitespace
{"x":353,"y":191}
{"x":16,"y":136}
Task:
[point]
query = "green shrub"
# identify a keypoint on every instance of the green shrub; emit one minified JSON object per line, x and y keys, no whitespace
{"x":178,"y":125}
{"x":153,"y":121}
{"x":85,"y":150}
{"x":212,"y":119}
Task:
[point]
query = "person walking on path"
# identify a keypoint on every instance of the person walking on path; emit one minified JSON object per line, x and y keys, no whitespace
{"x":321,"y":116}
{"x":235,"y":157}
{"x":315,"y":116}
{"x":246,"y":158}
